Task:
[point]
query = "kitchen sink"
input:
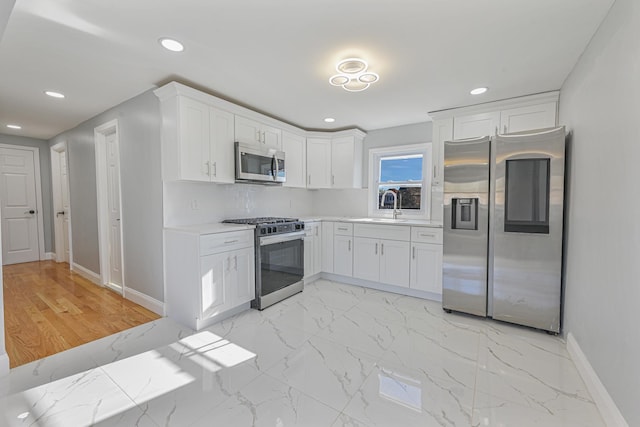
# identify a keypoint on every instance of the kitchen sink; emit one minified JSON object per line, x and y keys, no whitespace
{"x":384,"y":220}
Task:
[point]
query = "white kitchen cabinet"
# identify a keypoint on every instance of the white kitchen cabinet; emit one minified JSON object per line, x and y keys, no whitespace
{"x":442,"y":131}
{"x":476,"y":125}
{"x":426,"y":267}
{"x":318,"y":163}
{"x":527,"y":118}
{"x":253,"y":132}
{"x":426,"y":259}
{"x":295,"y":151}
{"x":381,"y":253}
{"x":346,"y":162}
{"x":197,"y":141}
{"x":207,"y":275}
{"x":343,"y":249}
{"x":327,"y":247}
{"x":381,"y":260}
{"x":312,"y":249}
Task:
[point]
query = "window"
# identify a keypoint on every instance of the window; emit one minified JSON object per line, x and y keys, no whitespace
{"x":399,"y":177}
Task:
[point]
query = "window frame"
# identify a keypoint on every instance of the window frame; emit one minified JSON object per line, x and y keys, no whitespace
{"x":376,"y":154}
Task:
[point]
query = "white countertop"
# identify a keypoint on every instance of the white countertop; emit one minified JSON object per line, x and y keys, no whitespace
{"x":387,"y":221}
{"x":210,"y":228}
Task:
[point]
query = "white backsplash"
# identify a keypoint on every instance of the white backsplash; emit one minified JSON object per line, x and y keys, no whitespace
{"x":187,"y":203}
{"x":352,"y":203}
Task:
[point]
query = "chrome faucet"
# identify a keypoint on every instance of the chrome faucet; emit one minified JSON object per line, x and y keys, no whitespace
{"x":396,"y":212}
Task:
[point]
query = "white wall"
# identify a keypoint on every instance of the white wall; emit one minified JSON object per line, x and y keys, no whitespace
{"x":600,"y":104}
{"x":139,"y":123}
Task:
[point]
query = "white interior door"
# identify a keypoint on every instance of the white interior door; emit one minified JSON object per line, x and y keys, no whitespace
{"x":60,"y":187}
{"x":19,"y":207}
{"x":113,"y":199}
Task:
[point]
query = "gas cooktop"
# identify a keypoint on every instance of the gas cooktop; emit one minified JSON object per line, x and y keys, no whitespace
{"x":261,"y":220}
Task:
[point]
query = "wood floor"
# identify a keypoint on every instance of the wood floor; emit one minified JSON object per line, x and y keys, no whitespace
{"x":49,"y":309}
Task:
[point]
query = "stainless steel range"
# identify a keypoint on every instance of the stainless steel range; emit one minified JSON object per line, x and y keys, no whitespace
{"x":279,"y":248}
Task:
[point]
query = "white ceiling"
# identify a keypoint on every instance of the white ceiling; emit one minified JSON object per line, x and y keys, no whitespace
{"x":276,"y":56}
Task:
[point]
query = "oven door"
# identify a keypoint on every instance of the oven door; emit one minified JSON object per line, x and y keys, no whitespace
{"x":281,"y":262}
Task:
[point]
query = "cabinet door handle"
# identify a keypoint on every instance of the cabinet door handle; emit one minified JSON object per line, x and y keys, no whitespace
{"x":258,"y":135}
{"x":342,"y":229}
{"x":376,"y":251}
{"x":316,"y":231}
{"x":227,"y":242}
{"x":382,"y":249}
{"x":349,"y":245}
{"x":208,"y":168}
{"x":215,"y":168}
{"x":309,"y":179}
{"x":414,"y":253}
{"x":333,"y":180}
{"x":235,"y":258}
{"x":427,"y":235}
{"x":505,"y":128}
{"x":496,"y":130}
{"x":435,"y":174}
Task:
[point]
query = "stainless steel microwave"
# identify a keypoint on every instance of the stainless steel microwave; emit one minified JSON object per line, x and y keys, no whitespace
{"x":259,"y":164}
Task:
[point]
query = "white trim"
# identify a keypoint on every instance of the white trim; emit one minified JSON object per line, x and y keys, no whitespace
{"x":608,"y":409}
{"x":38,"y":182}
{"x":144,"y":300}
{"x":426,"y":149}
{"x":49,"y":256}
{"x":86,"y":273}
{"x":521,"y":101}
{"x":100,"y":134}
{"x":401,"y":290}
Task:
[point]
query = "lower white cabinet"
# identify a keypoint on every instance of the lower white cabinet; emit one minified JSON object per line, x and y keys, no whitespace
{"x":343,"y":255}
{"x":207,"y":275}
{"x":312,"y":249}
{"x":380,"y":260}
{"x":426,"y":267}
{"x":327,"y":247}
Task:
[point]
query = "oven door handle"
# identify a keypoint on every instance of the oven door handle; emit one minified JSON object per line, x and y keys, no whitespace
{"x":274,"y":167}
{"x":270,"y":240}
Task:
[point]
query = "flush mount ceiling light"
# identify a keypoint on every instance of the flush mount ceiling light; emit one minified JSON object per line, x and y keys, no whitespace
{"x":479,"y":91}
{"x":329,"y":120}
{"x":353,"y":75}
{"x":54,"y":94}
{"x":171,"y":44}
{"x":14,"y":126}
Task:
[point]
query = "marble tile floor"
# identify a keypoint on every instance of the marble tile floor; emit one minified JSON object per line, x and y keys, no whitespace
{"x":334,"y":355}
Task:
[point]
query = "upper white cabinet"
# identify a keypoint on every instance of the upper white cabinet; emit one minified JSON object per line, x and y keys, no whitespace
{"x":318,"y":163}
{"x":475,"y":125}
{"x":529,"y":117}
{"x":197,"y":141}
{"x":253,"y":132}
{"x":335,"y":162}
{"x":442,"y":131}
{"x":295,"y":150}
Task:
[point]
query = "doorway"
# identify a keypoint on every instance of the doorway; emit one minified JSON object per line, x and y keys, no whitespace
{"x":61,"y":203}
{"x":109,"y":203}
{"x":21,"y":204}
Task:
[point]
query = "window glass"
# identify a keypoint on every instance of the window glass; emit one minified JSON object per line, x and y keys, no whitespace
{"x":400,"y":182}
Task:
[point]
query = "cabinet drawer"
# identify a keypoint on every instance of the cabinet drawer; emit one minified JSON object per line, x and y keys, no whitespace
{"x":222,"y":242}
{"x":343,"y":229}
{"x":426,"y":235}
{"x":389,"y":232}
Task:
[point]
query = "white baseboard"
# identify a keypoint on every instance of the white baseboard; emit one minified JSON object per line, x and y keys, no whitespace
{"x":381,"y":286}
{"x":604,"y":402}
{"x":49,"y":255}
{"x":145,"y":300}
{"x":86,"y":273}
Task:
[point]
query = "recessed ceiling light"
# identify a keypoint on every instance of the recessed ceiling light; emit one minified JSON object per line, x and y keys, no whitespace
{"x":329,"y":120}
{"x":14,"y":126}
{"x":479,"y":91}
{"x":171,"y":44}
{"x":53,"y":94}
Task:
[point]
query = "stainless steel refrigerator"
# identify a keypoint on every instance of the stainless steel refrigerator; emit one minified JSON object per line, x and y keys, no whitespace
{"x":503,"y":227}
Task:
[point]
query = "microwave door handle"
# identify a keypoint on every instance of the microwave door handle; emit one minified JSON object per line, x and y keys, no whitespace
{"x":274,"y":167}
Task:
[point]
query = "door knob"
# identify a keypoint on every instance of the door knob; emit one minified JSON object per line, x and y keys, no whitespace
{"x":30,"y":212}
